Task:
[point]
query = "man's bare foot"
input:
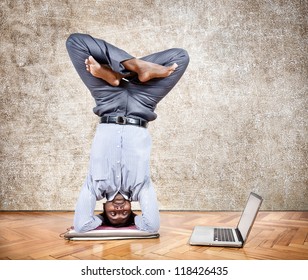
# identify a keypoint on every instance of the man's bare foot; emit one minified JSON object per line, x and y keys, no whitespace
{"x":102,"y":72}
{"x":148,"y":70}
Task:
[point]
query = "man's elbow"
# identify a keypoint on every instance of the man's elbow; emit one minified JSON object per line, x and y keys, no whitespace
{"x":80,"y":227}
{"x":146,"y":224}
{"x":154,"y":228}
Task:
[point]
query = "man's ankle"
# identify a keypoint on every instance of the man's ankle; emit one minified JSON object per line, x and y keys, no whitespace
{"x":131,"y":64}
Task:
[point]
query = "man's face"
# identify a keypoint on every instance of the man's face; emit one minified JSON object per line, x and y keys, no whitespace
{"x":118,"y":210}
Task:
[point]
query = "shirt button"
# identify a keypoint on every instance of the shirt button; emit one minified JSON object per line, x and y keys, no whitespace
{"x":118,"y":146}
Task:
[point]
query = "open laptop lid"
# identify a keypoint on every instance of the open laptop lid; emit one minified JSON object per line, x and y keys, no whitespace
{"x":249,"y":215}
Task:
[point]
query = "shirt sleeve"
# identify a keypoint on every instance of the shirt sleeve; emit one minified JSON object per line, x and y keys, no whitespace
{"x":84,"y":218}
{"x":149,"y":219}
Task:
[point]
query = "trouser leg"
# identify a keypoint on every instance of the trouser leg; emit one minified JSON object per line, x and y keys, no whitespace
{"x":81,"y":46}
{"x":153,"y":91}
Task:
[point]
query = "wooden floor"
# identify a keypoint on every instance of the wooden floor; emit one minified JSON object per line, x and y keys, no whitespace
{"x":35,"y":235}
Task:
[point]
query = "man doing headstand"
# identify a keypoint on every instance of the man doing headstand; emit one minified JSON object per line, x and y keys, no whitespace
{"x":126,"y":91}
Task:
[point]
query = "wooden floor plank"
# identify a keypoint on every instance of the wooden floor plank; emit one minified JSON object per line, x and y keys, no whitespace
{"x":297,"y":249}
{"x":287,"y":237}
{"x":35,"y":235}
{"x":300,"y":237}
{"x":304,"y":216}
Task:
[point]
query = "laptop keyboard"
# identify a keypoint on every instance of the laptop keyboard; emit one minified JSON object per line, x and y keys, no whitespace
{"x":223,"y":234}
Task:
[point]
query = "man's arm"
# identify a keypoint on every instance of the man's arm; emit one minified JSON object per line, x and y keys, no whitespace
{"x":149,"y":220}
{"x":84,"y":219}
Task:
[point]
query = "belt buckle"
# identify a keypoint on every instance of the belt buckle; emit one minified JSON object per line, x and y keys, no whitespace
{"x":120,"y":120}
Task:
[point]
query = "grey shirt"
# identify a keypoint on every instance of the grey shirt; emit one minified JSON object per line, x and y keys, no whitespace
{"x":121,"y":164}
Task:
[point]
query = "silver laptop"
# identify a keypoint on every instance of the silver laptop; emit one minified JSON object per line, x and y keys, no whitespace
{"x":227,"y":236}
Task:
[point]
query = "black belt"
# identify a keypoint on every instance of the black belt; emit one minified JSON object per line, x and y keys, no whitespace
{"x":124,"y":120}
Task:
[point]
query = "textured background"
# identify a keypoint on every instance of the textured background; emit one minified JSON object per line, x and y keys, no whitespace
{"x":235,"y":123}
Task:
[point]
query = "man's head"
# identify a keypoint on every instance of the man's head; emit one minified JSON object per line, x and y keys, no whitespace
{"x":118,"y":213}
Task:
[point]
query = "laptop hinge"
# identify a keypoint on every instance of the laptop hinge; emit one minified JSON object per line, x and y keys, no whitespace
{"x":239,"y":235}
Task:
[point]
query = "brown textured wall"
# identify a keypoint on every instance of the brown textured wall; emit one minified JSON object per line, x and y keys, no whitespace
{"x":235,"y":123}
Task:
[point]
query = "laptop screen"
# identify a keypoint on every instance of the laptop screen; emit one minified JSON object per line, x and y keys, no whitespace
{"x":249,"y":214}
